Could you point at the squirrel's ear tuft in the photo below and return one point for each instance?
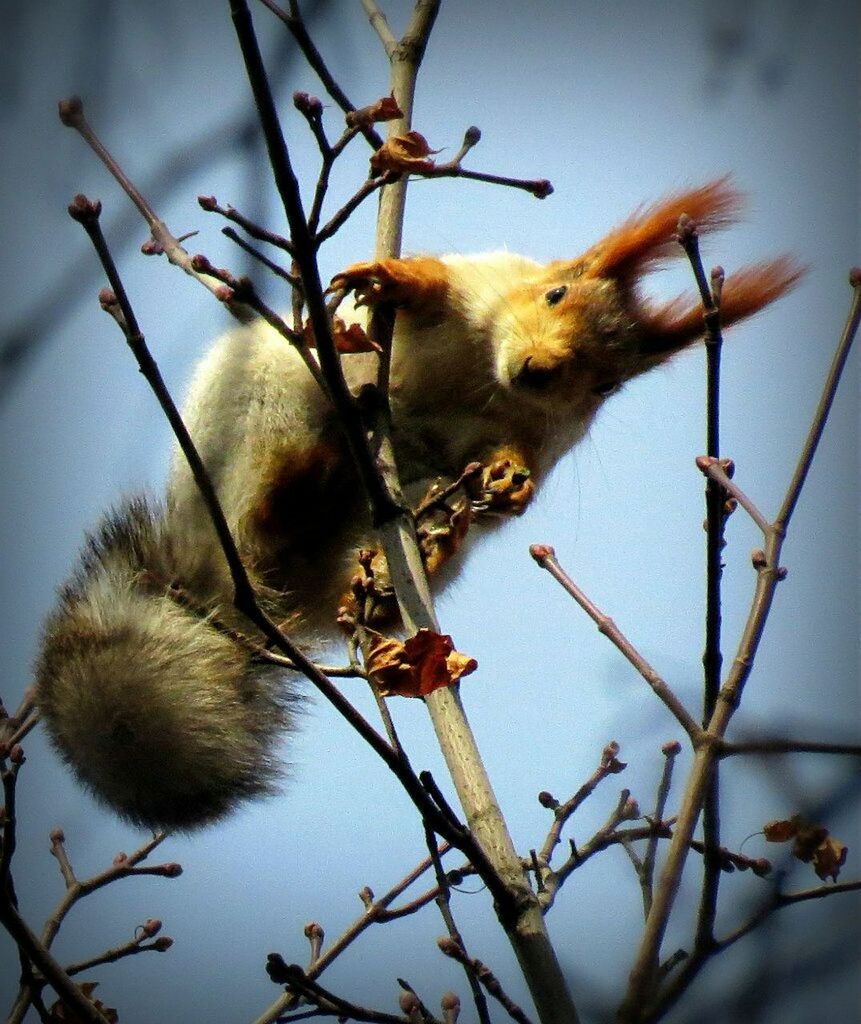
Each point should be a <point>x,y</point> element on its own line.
<point>670,328</point>
<point>648,236</point>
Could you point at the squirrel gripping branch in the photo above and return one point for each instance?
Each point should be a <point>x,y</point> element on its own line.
<point>151,685</point>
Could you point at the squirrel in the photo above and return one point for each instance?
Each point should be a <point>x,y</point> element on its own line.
<point>150,683</point>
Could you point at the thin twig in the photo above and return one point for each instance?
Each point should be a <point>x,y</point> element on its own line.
<point>327,1002</point>
<point>271,265</point>
<point>366,189</point>
<point>538,187</point>
<point>693,965</point>
<point>443,902</point>
<point>647,876</point>
<point>626,809</point>
<point>476,969</point>
<point>211,205</point>
<point>124,866</point>
<point>826,400</point>
<point>72,115</point>
<point>376,911</point>
<point>135,945</point>
<point>296,25</point>
<point>609,764</point>
<point>545,556</point>
<point>779,745</point>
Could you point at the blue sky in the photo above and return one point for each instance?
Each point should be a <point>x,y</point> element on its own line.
<point>616,105</point>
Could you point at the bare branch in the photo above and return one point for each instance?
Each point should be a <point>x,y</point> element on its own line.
<point>778,745</point>
<point>647,876</point>
<point>716,514</point>
<point>693,965</point>
<point>545,556</point>
<point>297,27</point>
<point>643,975</point>
<point>608,765</point>
<point>72,115</point>
<point>826,400</point>
<point>485,975</point>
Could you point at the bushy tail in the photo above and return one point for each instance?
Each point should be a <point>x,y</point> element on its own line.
<point>163,714</point>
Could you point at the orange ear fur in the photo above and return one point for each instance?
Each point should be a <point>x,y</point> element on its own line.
<point>673,326</point>
<point>649,235</point>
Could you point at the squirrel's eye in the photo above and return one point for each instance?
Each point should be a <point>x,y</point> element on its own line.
<point>607,388</point>
<point>555,295</point>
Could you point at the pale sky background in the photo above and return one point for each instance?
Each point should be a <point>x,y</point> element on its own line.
<point>616,104</point>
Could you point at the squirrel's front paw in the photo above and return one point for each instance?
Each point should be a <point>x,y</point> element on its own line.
<point>377,281</point>
<point>506,486</point>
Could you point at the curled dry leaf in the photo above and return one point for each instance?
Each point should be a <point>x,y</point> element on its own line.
<point>408,152</point>
<point>418,666</point>
<point>385,109</point>
<point>813,843</point>
<point>60,1013</point>
<point>829,857</point>
<point>348,339</point>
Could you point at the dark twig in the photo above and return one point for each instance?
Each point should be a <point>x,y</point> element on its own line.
<point>626,809</point>
<point>476,969</point>
<point>443,902</point>
<point>296,25</point>
<point>211,205</point>
<point>366,189</point>
<point>271,265</point>
<point>137,944</point>
<point>382,504</point>
<point>715,518</point>
<point>609,764</point>
<point>377,911</point>
<point>327,1002</point>
<point>37,949</point>
<point>778,745</point>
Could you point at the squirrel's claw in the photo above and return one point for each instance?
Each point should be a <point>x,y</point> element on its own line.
<point>506,487</point>
<point>369,282</point>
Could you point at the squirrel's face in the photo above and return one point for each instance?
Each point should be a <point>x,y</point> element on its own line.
<point>566,339</point>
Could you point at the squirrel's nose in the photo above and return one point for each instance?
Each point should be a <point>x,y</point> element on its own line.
<point>533,375</point>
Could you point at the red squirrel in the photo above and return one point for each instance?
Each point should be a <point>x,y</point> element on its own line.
<point>148,680</point>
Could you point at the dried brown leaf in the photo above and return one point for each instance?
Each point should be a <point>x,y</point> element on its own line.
<point>60,1013</point>
<point>348,338</point>
<point>385,109</point>
<point>829,858</point>
<point>813,843</point>
<point>418,666</point>
<point>779,831</point>
<point>408,152</point>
